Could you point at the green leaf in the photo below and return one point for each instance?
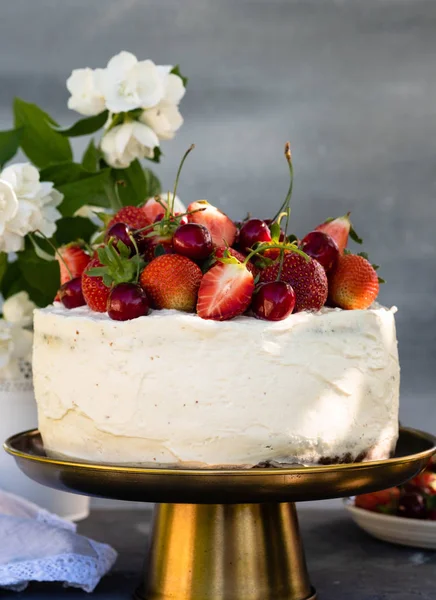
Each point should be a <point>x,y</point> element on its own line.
<point>152,184</point>
<point>376,267</point>
<point>431,502</point>
<point>275,231</point>
<point>87,190</point>
<point>157,153</point>
<point>39,141</point>
<point>40,252</point>
<point>363,255</point>
<point>69,229</point>
<point>9,144</point>
<point>354,236</point>
<point>91,157</point>
<point>131,184</point>
<point>381,280</point>
<point>86,126</point>
<point>159,250</point>
<point>3,265</point>
<point>65,172</point>
<point>176,71</point>
<point>41,278</point>
<point>292,238</point>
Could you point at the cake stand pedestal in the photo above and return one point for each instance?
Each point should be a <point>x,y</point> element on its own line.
<point>224,535</point>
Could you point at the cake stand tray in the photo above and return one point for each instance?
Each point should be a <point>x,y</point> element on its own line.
<point>224,534</point>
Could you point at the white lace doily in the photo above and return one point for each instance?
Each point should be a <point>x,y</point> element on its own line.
<point>39,546</point>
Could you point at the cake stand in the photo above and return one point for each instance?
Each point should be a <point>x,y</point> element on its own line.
<point>224,535</point>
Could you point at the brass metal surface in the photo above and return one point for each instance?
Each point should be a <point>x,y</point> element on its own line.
<point>197,486</point>
<point>224,534</point>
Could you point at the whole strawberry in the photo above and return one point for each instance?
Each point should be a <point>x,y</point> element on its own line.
<point>172,281</point>
<point>75,258</point>
<point>95,292</point>
<point>133,216</point>
<point>354,284</point>
<point>307,278</point>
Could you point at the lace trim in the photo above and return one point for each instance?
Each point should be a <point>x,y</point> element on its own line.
<point>43,516</point>
<point>72,569</point>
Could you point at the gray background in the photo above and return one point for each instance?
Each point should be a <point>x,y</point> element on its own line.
<point>351,83</point>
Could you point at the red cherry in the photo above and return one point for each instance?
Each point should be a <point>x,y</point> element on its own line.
<point>127,301</point>
<point>121,233</point>
<point>412,506</point>
<point>273,301</point>
<point>70,293</point>
<point>193,240</point>
<point>252,232</point>
<point>322,247</point>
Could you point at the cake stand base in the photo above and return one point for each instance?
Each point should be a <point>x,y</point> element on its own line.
<point>226,551</point>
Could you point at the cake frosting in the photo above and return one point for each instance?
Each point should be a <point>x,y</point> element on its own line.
<point>173,389</point>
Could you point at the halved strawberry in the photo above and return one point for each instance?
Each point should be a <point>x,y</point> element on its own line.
<point>307,277</point>
<point>354,283</point>
<point>221,251</point>
<point>384,501</point>
<point>172,281</point>
<point>221,227</point>
<point>339,229</point>
<point>225,291</point>
<point>75,258</point>
<point>133,216</point>
<point>153,209</point>
<point>95,292</point>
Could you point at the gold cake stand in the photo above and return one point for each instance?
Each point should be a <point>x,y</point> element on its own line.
<point>224,535</point>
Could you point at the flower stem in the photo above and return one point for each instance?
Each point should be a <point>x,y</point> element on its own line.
<point>176,183</point>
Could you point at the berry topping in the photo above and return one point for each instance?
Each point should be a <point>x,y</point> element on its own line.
<point>374,501</point>
<point>222,251</point>
<point>339,229</point>
<point>412,506</point>
<point>225,291</point>
<point>127,301</point>
<point>322,247</point>
<point>73,260</point>
<point>120,232</point>
<point>133,216</point>
<point>305,275</point>
<point>70,293</point>
<point>95,292</point>
<point>155,246</point>
<point>172,281</point>
<point>193,240</point>
<point>222,229</point>
<point>273,301</point>
<point>252,232</point>
<point>154,210</point>
<point>353,284</point>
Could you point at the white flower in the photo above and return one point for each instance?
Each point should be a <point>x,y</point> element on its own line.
<point>86,97</point>
<point>15,344</point>
<point>6,343</point>
<point>124,143</point>
<point>165,118</point>
<point>18,309</point>
<point>35,205</point>
<point>127,83</point>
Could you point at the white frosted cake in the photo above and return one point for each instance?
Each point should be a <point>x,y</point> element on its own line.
<point>173,389</point>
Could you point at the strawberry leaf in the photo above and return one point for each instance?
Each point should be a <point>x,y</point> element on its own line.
<point>159,250</point>
<point>353,235</point>
<point>381,280</point>
<point>431,502</point>
<point>275,231</point>
<point>292,238</point>
<point>363,255</point>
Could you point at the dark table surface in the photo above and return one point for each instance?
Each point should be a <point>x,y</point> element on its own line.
<point>344,563</point>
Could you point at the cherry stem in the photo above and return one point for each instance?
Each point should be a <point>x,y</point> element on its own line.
<point>176,183</point>
<point>135,245</point>
<point>56,251</point>
<point>280,246</point>
<point>168,220</point>
<point>285,207</point>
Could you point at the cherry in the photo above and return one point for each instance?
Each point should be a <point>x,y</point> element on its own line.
<point>121,233</point>
<point>70,293</point>
<point>322,247</point>
<point>273,301</point>
<point>252,232</point>
<point>127,301</point>
<point>193,241</point>
<point>412,506</point>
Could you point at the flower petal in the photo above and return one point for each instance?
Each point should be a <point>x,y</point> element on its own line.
<point>145,135</point>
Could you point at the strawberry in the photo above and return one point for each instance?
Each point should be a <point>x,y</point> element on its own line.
<point>95,292</point>
<point>339,229</point>
<point>222,229</point>
<point>353,284</point>
<point>220,252</point>
<point>150,245</point>
<point>75,258</point>
<point>307,277</point>
<point>172,281</point>
<point>225,291</point>
<point>153,209</point>
<point>384,501</point>
<point>133,216</point>
<point>425,482</point>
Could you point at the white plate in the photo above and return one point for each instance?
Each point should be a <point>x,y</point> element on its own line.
<point>397,530</point>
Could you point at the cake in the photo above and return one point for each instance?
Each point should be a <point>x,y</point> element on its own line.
<point>193,341</point>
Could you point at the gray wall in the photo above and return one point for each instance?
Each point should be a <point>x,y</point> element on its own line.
<point>351,83</point>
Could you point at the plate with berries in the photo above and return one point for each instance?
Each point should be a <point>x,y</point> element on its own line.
<point>404,515</point>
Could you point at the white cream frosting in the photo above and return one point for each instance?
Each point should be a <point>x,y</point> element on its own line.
<point>171,388</point>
